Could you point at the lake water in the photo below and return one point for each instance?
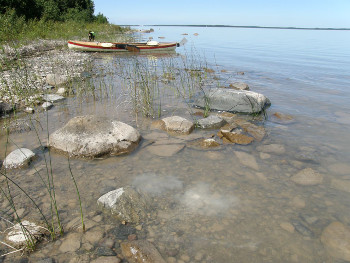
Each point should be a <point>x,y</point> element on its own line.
<point>212,206</point>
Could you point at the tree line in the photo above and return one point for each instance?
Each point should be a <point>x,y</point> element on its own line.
<point>54,10</point>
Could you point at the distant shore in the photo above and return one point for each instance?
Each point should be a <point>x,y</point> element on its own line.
<point>260,27</point>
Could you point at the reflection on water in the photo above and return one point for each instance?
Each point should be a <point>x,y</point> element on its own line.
<point>213,206</point>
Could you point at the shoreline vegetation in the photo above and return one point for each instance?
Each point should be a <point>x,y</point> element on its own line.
<point>258,27</point>
<point>33,20</point>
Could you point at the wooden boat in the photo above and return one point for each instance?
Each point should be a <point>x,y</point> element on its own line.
<point>150,46</point>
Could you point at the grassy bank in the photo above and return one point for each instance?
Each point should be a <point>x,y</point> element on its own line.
<point>16,31</point>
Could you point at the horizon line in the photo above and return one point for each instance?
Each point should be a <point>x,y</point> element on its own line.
<point>266,27</point>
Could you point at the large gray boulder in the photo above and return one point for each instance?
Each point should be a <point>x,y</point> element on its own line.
<point>92,136</point>
<point>126,203</point>
<point>18,158</point>
<point>232,100</point>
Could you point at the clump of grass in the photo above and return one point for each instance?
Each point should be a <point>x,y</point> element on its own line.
<point>51,218</point>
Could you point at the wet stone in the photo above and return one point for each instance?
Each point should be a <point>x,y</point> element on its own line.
<point>307,177</point>
<point>71,243</point>
<point>287,226</point>
<point>258,132</point>
<point>29,110</point>
<point>46,260</point>
<point>105,251</point>
<point>141,251</point>
<point>204,144</point>
<point>302,229</point>
<point>233,137</point>
<point>122,232</point>
<point>264,156</point>
<point>336,240</point>
<point>211,122</point>
<point>93,236</point>
<point>342,185</point>
<point>56,79</point>
<point>247,160</point>
<point>282,118</point>
<point>232,100</point>
<point>126,203</point>
<point>18,238</point>
<point>165,150</point>
<point>18,158</point>
<point>271,148</point>
<point>239,86</point>
<point>111,259</point>
<point>227,116</point>
<point>52,98</point>
<point>340,168</point>
<point>47,105</point>
<point>93,136</point>
<point>19,126</point>
<point>132,237</point>
<point>177,125</point>
<point>307,155</point>
<point>298,202</point>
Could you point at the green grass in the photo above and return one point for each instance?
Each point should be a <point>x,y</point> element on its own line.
<point>16,31</point>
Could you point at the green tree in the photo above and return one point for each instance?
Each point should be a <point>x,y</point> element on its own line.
<point>101,19</point>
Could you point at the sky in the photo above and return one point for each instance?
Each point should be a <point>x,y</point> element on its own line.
<point>297,13</point>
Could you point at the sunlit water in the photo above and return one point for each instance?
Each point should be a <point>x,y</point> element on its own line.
<point>209,206</point>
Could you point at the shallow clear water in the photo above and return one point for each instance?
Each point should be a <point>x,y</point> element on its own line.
<point>210,206</point>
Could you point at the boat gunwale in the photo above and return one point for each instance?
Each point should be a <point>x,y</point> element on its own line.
<point>138,45</point>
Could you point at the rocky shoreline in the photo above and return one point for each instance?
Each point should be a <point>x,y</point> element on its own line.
<point>24,80</point>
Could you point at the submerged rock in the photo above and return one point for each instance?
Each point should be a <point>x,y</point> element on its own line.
<point>52,97</point>
<point>232,100</point>
<point>127,203</point>
<point>71,243</point>
<point>227,116</point>
<point>92,136</point>
<point>165,150</point>
<point>204,144</point>
<point>247,159</point>
<point>18,158</point>
<point>271,148</point>
<point>18,126</point>
<point>239,86</point>
<point>19,234</point>
<point>307,177</point>
<point>211,122</point>
<point>106,259</point>
<point>342,185</point>
<point>233,137</point>
<point>177,125</point>
<point>282,118</point>
<point>336,240</point>
<point>258,132</point>
<point>141,251</point>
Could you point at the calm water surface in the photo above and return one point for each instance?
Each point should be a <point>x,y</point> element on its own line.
<point>209,205</point>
